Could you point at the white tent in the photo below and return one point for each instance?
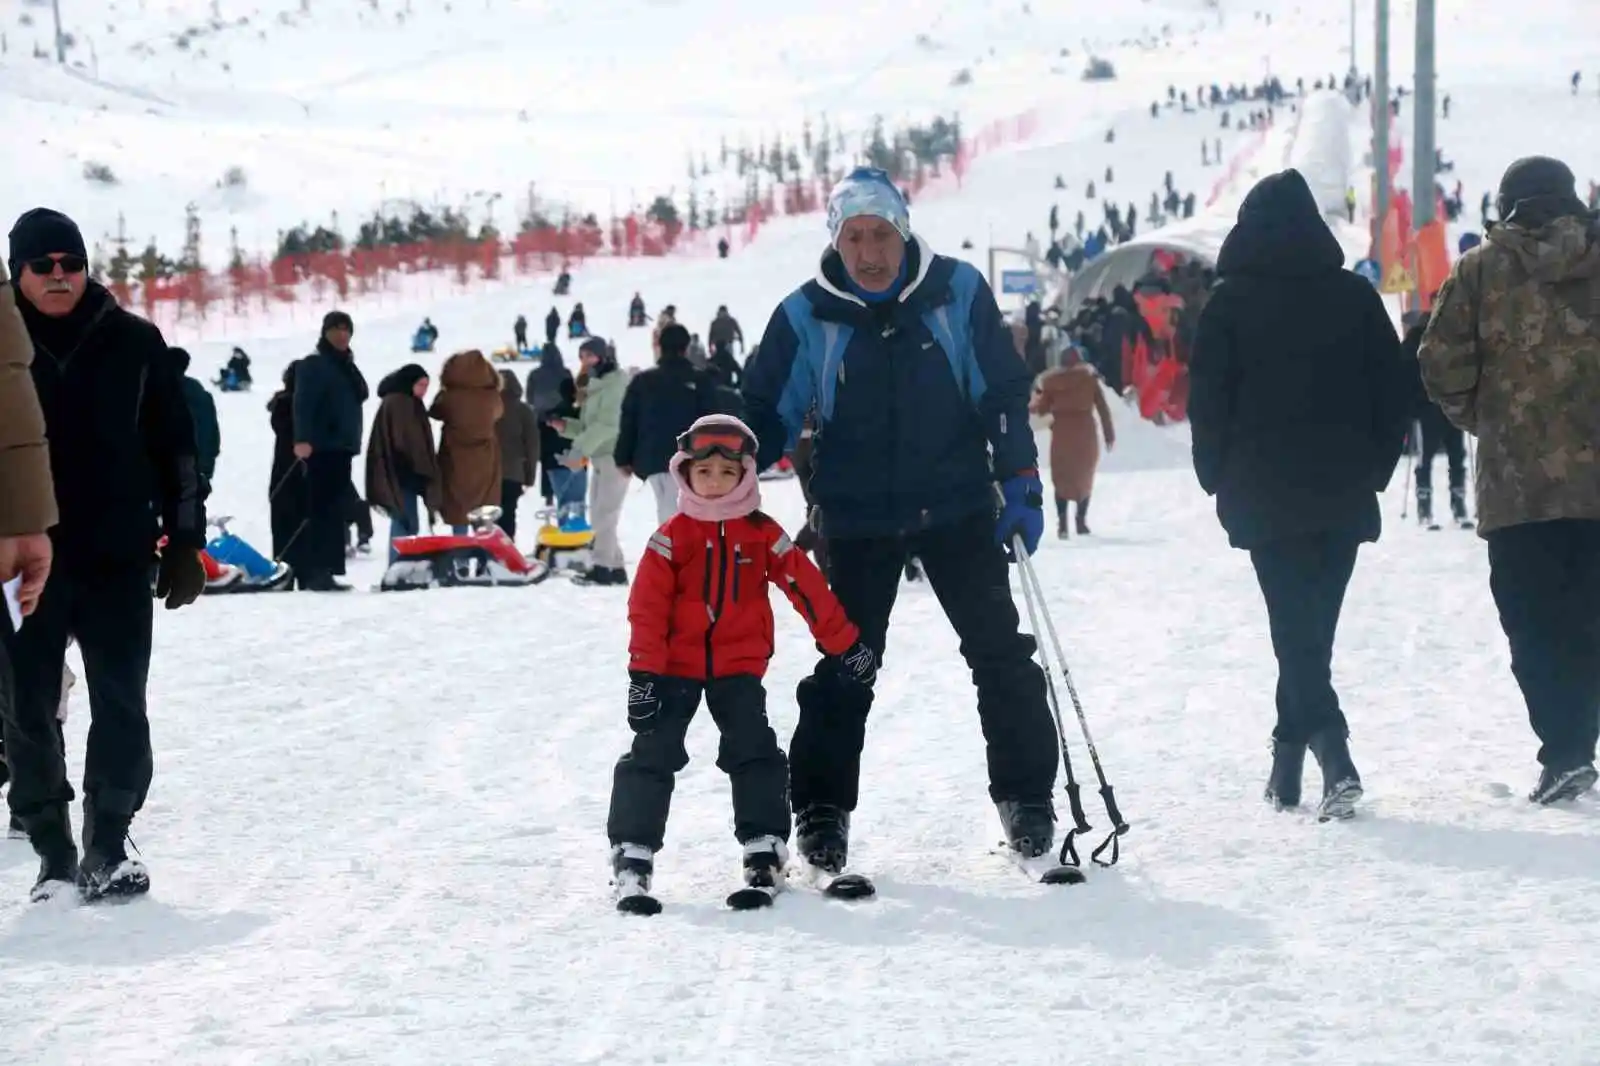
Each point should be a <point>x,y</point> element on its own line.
<point>1317,144</point>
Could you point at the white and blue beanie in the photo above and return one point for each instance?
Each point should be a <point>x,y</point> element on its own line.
<point>867,191</point>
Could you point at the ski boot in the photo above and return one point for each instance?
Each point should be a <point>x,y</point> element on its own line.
<point>1425,508</point>
<point>822,836</point>
<point>1288,767</point>
<point>1557,785</point>
<point>1030,827</point>
<point>632,867</point>
<point>1458,509</point>
<point>1341,784</point>
<point>764,861</point>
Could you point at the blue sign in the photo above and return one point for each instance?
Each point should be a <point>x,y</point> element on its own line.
<point>1018,282</point>
<point>1369,269</point>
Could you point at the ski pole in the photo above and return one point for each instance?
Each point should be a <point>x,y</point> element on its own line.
<point>1080,822</point>
<point>1119,825</point>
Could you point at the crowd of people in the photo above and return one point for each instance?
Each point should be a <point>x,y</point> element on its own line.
<point>1299,403</point>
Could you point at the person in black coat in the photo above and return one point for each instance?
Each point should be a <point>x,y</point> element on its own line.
<point>286,487</point>
<point>660,404</point>
<point>1297,414</point>
<point>329,392</point>
<point>552,325</point>
<point>122,456</point>
<point>1437,434</point>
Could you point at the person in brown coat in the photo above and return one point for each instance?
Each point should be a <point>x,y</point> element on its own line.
<point>468,407</point>
<point>402,467</point>
<point>1071,395</point>
<point>519,450</point>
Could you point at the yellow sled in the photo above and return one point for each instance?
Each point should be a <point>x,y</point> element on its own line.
<point>569,549</point>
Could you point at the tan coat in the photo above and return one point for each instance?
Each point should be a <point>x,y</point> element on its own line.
<point>27,496</point>
<point>1072,396</point>
<point>468,407</point>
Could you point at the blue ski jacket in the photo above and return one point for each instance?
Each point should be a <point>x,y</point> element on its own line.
<point>920,403</point>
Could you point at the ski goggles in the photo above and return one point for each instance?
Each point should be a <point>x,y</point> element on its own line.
<point>725,441</point>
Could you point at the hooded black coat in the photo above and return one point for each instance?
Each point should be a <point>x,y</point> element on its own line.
<point>1297,401</point>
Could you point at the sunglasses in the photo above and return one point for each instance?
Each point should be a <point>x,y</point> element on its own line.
<point>46,265</point>
<point>728,443</point>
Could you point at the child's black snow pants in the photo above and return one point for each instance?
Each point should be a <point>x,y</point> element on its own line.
<point>641,788</point>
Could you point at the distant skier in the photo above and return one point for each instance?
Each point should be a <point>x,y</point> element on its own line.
<point>636,316</point>
<point>1437,434</point>
<point>679,652</point>
<point>552,326</point>
<point>426,337</point>
<point>519,329</point>
<point>235,376</point>
<point>724,332</point>
<point>577,322</point>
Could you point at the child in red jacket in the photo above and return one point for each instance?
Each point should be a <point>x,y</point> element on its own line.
<point>701,623</point>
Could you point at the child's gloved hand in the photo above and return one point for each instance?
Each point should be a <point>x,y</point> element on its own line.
<point>644,701</point>
<point>859,664</point>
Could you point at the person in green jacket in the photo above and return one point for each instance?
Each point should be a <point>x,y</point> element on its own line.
<point>594,437</point>
<point>203,411</point>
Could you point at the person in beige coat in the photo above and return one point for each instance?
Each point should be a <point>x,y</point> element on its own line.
<point>468,409</point>
<point>1071,395</point>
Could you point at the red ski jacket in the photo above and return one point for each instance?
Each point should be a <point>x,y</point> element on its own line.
<point>698,607</point>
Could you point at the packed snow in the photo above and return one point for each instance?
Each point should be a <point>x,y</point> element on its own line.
<point>376,832</point>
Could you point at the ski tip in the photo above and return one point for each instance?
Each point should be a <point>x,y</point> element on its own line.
<point>850,887</point>
<point>1063,875</point>
<point>640,905</point>
<point>750,899</point>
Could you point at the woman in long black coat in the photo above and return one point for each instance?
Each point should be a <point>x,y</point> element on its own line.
<point>286,488</point>
<point>1297,411</point>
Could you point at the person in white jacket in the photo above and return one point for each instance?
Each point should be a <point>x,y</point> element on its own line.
<point>594,439</point>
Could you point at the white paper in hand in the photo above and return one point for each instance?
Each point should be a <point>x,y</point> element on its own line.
<point>12,606</point>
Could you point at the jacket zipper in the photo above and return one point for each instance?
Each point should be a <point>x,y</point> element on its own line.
<point>736,561</point>
<point>718,554</point>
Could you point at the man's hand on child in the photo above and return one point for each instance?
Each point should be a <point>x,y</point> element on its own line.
<point>859,664</point>
<point>644,701</point>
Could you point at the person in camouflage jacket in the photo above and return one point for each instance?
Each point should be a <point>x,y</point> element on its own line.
<point>1512,354</point>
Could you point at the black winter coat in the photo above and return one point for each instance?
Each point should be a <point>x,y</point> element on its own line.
<point>1297,402</point>
<point>120,435</point>
<point>1418,404</point>
<point>328,393</point>
<point>660,404</point>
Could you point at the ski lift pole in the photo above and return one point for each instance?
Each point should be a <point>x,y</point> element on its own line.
<point>1108,794</point>
<point>1033,594</point>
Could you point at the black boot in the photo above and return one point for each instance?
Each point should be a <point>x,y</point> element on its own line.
<point>1425,506</point>
<point>1288,769</point>
<point>1061,518</point>
<point>106,871</point>
<point>1458,507</point>
<point>1083,517</point>
<point>1557,785</point>
<point>50,832</point>
<point>822,836</point>
<point>1341,784</point>
<point>1030,827</point>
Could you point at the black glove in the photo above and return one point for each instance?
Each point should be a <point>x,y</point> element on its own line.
<point>859,664</point>
<point>645,698</point>
<point>180,577</point>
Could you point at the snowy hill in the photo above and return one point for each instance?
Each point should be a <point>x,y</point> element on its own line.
<point>376,831</point>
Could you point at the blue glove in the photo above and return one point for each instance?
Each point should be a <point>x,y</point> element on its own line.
<point>1021,512</point>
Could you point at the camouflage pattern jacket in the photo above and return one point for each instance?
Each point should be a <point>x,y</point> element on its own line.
<point>1512,354</point>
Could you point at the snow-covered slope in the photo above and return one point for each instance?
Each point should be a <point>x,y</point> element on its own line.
<point>376,831</point>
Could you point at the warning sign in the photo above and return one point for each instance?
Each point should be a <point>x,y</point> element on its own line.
<point>1398,281</point>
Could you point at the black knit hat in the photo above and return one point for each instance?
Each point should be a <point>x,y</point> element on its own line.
<point>43,232</point>
<point>180,359</point>
<point>1538,178</point>
<point>674,340</point>
<point>337,320</point>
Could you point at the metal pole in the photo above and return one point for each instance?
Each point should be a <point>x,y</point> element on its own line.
<point>1380,121</point>
<point>1352,39</point>
<point>1424,201</point>
<point>61,47</point>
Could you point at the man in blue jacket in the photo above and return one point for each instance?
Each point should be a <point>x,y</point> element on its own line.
<point>922,432</point>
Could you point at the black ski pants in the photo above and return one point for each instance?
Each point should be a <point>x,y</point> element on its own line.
<point>1545,577</point>
<point>1439,435</point>
<point>328,494</point>
<point>1303,580</point>
<point>970,576</point>
<point>110,614</point>
<point>510,496</point>
<point>641,786</point>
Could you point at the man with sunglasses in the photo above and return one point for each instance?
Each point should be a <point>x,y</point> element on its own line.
<point>122,450</point>
<point>921,435</point>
